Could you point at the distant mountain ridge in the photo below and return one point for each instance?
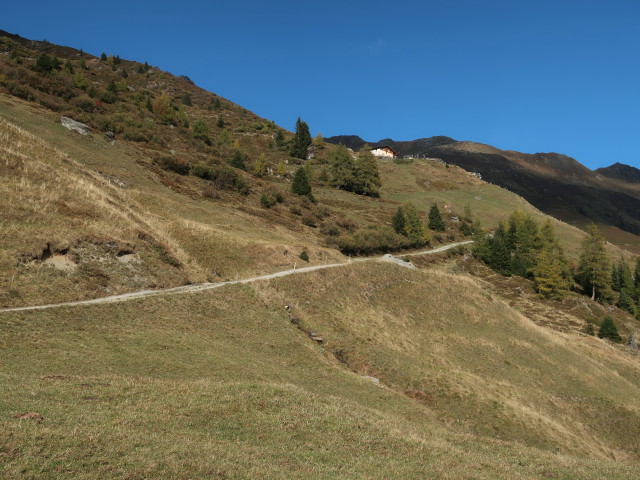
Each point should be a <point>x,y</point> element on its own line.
<point>555,183</point>
<point>416,148</point>
<point>620,171</point>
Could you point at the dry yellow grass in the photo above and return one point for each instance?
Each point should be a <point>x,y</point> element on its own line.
<point>222,385</point>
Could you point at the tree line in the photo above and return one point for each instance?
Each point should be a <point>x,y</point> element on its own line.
<point>522,246</point>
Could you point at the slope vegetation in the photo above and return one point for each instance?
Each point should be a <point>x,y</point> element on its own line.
<point>556,184</point>
<point>228,384</point>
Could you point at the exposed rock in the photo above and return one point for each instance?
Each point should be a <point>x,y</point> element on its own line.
<point>75,126</point>
<point>109,136</point>
<point>128,258</point>
<point>398,261</point>
<point>372,379</point>
<point>61,262</point>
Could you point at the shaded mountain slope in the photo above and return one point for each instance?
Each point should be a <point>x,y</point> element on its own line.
<point>620,171</point>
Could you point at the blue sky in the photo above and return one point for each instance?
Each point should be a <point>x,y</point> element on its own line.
<point>533,76</point>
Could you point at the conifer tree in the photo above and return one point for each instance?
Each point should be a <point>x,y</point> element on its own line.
<point>342,167</point>
<point>398,221</point>
<point>279,138</point>
<point>238,159</point>
<point>550,268</point>
<point>548,275</point>
<point>609,330</point>
<point>414,229</point>
<point>499,257</point>
<point>616,279</point>
<point>594,271</point>
<point>366,177</point>
<point>626,278</point>
<point>301,140</point>
<point>435,219</point>
<point>625,302</point>
<point>465,229</point>
<point>300,184</point>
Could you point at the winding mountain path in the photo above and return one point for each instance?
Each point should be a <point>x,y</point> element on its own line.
<point>198,287</point>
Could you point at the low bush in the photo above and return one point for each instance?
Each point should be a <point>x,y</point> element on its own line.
<point>372,240</point>
<point>84,103</point>
<point>330,229</point>
<point>173,164</point>
<point>267,201</point>
<point>309,221</point>
<point>221,177</point>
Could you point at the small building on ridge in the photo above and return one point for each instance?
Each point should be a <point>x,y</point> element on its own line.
<point>384,151</point>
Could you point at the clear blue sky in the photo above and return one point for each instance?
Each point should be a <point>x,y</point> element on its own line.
<point>534,76</point>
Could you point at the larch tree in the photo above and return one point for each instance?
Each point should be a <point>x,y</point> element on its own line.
<point>594,268</point>
<point>366,174</point>
<point>342,167</point>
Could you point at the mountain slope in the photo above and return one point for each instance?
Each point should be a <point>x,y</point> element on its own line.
<point>213,388</point>
<point>555,183</point>
<point>367,370</point>
<point>620,171</point>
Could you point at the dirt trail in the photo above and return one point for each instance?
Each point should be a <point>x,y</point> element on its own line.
<point>198,287</point>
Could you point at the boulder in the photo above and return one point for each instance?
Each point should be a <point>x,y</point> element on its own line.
<point>71,124</point>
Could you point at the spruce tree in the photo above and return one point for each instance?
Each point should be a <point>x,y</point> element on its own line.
<point>237,159</point>
<point>625,302</point>
<point>594,270</point>
<point>279,138</point>
<point>616,279</point>
<point>435,219</point>
<point>626,278</point>
<point>300,184</point>
<point>465,229</point>
<point>498,255</point>
<point>301,140</point>
<point>609,330</point>
<point>398,221</point>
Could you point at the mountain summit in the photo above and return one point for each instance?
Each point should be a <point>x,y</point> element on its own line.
<point>620,171</point>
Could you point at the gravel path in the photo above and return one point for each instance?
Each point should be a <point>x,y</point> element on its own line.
<point>198,287</point>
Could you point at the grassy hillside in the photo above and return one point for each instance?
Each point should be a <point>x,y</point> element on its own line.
<point>446,371</point>
<point>223,385</point>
